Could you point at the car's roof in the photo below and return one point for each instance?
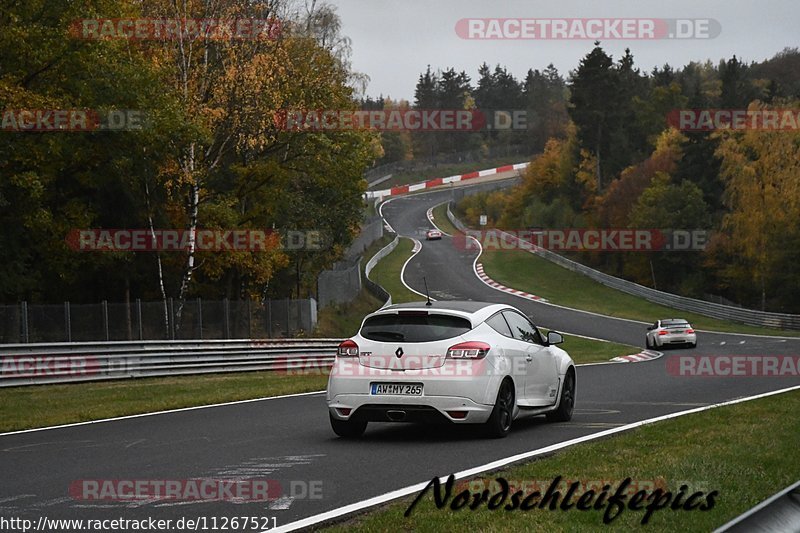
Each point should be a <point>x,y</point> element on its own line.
<point>476,312</point>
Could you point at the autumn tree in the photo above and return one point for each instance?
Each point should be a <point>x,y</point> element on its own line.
<point>761,173</point>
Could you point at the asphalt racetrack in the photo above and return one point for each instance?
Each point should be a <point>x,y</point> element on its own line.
<point>289,439</point>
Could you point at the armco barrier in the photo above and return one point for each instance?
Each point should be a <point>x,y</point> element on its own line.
<point>33,364</point>
<point>781,512</point>
<point>373,287</point>
<point>436,182</point>
<point>750,317</point>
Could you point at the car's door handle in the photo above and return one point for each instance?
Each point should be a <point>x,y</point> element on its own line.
<point>529,358</point>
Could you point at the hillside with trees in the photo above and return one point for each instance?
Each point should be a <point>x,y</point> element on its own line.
<point>613,161</point>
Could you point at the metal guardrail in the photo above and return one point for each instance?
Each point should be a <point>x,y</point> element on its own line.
<point>49,363</point>
<point>750,317</point>
<point>35,364</point>
<point>373,287</point>
<point>780,512</point>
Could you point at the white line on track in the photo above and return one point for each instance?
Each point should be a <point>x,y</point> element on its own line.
<point>417,248</point>
<point>545,302</point>
<point>500,463</point>
<point>152,413</point>
<point>433,223</point>
<point>380,213</point>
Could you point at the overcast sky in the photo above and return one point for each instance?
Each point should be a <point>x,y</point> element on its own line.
<point>393,41</point>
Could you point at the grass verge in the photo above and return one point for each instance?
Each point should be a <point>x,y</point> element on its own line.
<point>343,320</point>
<point>47,405</point>
<point>440,218</point>
<point>715,450</point>
<point>340,321</point>
<point>387,272</point>
<point>590,351</point>
<point>524,271</point>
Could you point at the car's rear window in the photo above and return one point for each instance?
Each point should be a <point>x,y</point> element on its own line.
<point>414,327</point>
<point>674,323</point>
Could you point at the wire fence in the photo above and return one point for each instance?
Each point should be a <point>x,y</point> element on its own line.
<point>138,320</point>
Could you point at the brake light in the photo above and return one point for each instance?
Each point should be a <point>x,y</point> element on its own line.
<point>662,332</point>
<point>468,350</point>
<point>348,349</point>
<point>689,331</point>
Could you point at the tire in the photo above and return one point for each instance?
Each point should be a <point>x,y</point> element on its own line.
<point>567,402</point>
<point>647,343</point>
<point>348,429</point>
<point>693,345</point>
<point>499,423</point>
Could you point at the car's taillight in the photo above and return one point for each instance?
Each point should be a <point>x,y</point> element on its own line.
<point>662,332</point>
<point>689,331</point>
<point>468,350</point>
<point>348,349</point>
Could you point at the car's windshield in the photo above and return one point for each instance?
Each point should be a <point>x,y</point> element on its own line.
<point>414,328</point>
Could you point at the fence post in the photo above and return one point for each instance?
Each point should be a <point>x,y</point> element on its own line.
<point>24,317</point>
<point>269,317</point>
<point>226,311</point>
<point>171,319</point>
<point>67,322</point>
<point>249,318</point>
<point>200,316</point>
<point>288,318</point>
<point>104,307</point>
<point>139,317</point>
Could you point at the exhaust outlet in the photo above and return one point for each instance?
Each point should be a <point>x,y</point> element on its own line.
<point>396,416</point>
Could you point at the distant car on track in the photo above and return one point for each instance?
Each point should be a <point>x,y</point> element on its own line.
<point>461,362</point>
<point>670,331</point>
<point>433,234</point>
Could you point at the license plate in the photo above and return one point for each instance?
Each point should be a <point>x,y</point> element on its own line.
<point>396,389</point>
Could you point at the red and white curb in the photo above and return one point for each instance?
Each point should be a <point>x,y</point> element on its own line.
<point>413,187</point>
<point>500,287</point>
<point>647,355</point>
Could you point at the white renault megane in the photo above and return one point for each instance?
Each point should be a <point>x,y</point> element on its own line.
<point>462,362</point>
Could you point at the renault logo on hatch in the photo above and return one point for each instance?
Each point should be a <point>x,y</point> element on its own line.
<point>399,352</point>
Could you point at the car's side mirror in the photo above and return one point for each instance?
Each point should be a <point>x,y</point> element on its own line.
<point>554,337</point>
<point>650,328</point>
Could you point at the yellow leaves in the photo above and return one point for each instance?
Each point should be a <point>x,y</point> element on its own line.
<point>544,172</point>
<point>586,173</point>
<point>761,170</point>
<point>669,141</point>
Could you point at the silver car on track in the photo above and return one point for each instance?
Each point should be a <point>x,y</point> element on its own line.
<point>670,331</point>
